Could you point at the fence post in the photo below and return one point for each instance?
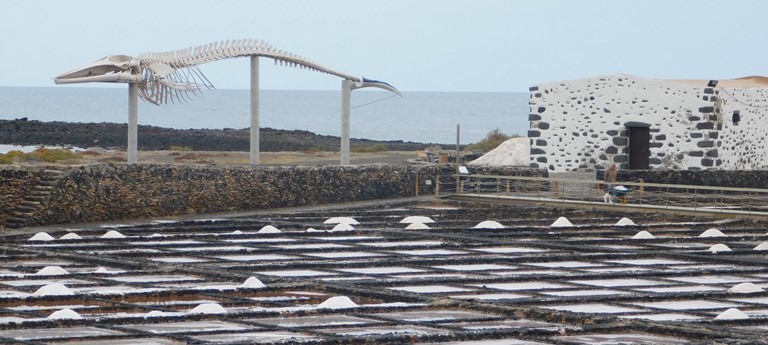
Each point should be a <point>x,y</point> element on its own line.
<point>417,184</point>
<point>437,186</point>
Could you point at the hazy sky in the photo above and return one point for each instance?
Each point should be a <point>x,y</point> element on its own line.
<point>417,45</point>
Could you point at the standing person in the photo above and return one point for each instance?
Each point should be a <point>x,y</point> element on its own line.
<point>610,179</point>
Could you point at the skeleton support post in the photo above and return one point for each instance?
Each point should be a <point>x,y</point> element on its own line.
<point>346,95</point>
<point>255,110</point>
<point>133,123</point>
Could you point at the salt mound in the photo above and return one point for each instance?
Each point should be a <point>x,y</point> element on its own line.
<point>71,236</point>
<point>338,302</point>
<point>489,224</point>
<point>208,308</point>
<point>113,234</point>
<point>253,283</point>
<point>269,229</point>
<point>65,313</point>
<point>562,221</point>
<point>237,232</point>
<point>719,248</point>
<point>52,271</point>
<point>643,235</point>
<point>103,270</point>
<point>762,246</point>
<point>339,220</point>
<point>625,221</point>
<point>54,289</point>
<point>41,236</point>
<point>154,313</point>
<point>513,152</point>
<point>712,233</point>
<point>416,219</point>
<point>157,235</point>
<point>417,226</point>
<point>343,227</point>
<point>732,314</point>
<point>745,288</point>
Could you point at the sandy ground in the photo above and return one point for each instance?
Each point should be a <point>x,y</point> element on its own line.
<point>312,158</point>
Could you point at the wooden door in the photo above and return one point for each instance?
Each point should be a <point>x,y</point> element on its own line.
<point>639,147</point>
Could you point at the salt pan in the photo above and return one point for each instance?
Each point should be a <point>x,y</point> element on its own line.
<point>41,236</point>
<point>745,288</point>
<point>560,222</point>
<point>489,224</point>
<point>52,271</point>
<point>338,302</point>
<point>113,234</point>
<point>269,229</point>
<point>64,314</point>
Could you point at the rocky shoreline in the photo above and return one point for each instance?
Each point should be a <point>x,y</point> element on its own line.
<point>151,138</point>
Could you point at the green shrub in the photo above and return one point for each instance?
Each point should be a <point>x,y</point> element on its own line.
<point>180,148</point>
<point>53,155</point>
<point>369,149</point>
<point>492,140</point>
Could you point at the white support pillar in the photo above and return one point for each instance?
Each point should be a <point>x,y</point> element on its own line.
<point>255,110</point>
<point>346,93</point>
<point>133,123</point>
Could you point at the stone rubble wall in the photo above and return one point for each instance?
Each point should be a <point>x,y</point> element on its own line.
<point>757,179</point>
<point>15,183</point>
<point>120,192</point>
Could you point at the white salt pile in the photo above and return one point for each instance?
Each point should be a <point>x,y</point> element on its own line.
<point>113,234</point>
<point>745,288</point>
<point>343,227</point>
<point>208,308</point>
<point>732,314</point>
<point>416,219</point>
<point>253,283</point>
<point>71,236</point>
<point>712,233</point>
<point>154,313</point>
<point>269,229</point>
<point>65,313</point>
<point>41,236</point>
<point>237,232</point>
<point>339,220</point>
<point>489,224</point>
<point>643,235</point>
<point>560,222</point>
<point>417,226</point>
<point>102,270</point>
<point>513,152</point>
<point>157,235</point>
<point>625,221</point>
<point>762,246</point>
<point>51,271</point>
<point>719,248</point>
<point>53,289</point>
<point>338,302</point>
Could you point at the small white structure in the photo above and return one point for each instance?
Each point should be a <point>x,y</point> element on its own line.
<point>642,123</point>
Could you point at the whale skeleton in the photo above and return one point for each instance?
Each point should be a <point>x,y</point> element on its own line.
<point>166,77</point>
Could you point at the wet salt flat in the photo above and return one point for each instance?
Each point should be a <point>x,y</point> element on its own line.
<point>232,281</point>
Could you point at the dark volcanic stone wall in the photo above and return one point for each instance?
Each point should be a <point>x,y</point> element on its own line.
<point>720,178</point>
<point>118,192</point>
<point>15,183</point>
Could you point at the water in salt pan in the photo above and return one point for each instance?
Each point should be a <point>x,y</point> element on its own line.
<point>560,222</point>
<point>41,236</point>
<point>643,235</point>
<point>343,227</point>
<point>712,233</point>
<point>719,248</point>
<point>762,246</point>
<point>338,302</point>
<point>269,229</point>
<point>70,236</point>
<point>745,288</point>
<point>54,289</point>
<point>64,314</point>
<point>52,271</point>
<point>208,308</point>
<point>417,226</point>
<point>625,221</point>
<point>113,234</point>
<point>340,220</point>
<point>253,283</point>
<point>732,314</point>
<point>416,219</point>
<point>489,224</point>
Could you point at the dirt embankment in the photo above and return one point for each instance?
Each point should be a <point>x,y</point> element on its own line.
<point>114,136</point>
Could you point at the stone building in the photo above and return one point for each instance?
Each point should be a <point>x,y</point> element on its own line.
<point>652,124</point>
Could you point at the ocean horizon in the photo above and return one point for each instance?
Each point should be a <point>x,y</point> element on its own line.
<point>425,117</point>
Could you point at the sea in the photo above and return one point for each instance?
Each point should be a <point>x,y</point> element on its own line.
<point>424,117</point>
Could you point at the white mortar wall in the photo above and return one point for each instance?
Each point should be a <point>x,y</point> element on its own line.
<point>582,124</point>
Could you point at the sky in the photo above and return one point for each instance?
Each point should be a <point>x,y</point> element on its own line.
<point>416,45</point>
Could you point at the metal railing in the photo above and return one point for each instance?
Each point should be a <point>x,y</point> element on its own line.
<point>592,191</point>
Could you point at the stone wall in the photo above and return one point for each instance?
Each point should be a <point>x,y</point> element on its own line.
<point>719,178</point>
<point>118,192</point>
<point>583,124</point>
